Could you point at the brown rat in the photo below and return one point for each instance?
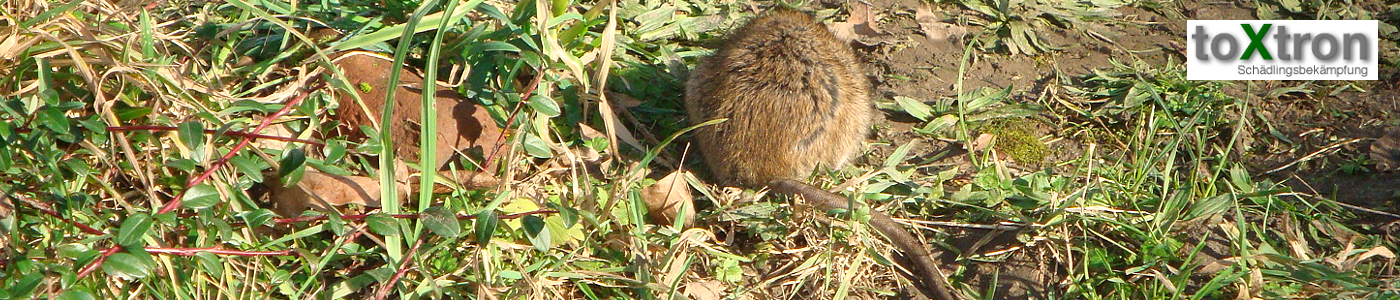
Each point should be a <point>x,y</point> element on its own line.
<point>795,98</point>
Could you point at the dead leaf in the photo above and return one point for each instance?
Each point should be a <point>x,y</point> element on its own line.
<point>623,100</point>
<point>863,19</point>
<point>669,199</point>
<point>1378,251</point>
<point>323,192</point>
<point>593,161</point>
<point>469,180</point>
<point>705,290</point>
<point>1386,151</point>
<point>584,155</point>
<point>1256,282</point>
<point>1381,251</point>
<point>1293,234</point>
<point>274,130</point>
<point>676,269</point>
<point>589,133</point>
<point>612,124</point>
<point>5,209</point>
<point>15,44</point>
<point>981,142</point>
<point>935,30</point>
<point>861,26</point>
<point>618,241</point>
<point>462,126</point>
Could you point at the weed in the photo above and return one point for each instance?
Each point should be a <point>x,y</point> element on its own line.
<point>139,144</point>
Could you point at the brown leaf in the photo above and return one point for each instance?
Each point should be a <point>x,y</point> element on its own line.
<point>864,20</point>
<point>470,180</point>
<point>1346,261</point>
<point>981,142</point>
<point>274,130</point>
<point>676,270</point>
<point>589,133</point>
<point>1386,151</point>
<point>861,26</point>
<point>705,290</point>
<point>935,30</point>
<point>591,159</point>
<point>323,192</point>
<point>623,100</point>
<point>13,44</point>
<point>462,126</point>
<point>5,209</point>
<point>669,199</point>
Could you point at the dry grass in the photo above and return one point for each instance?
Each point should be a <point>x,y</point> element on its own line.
<point>591,96</point>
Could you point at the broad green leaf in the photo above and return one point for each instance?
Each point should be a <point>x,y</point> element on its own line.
<point>568,215</point>
<point>73,250</point>
<point>133,229</point>
<point>335,224</point>
<point>211,264</point>
<point>77,293</point>
<point>537,232</point>
<point>128,114</point>
<point>486,223</point>
<point>534,146</point>
<point>899,154</point>
<point>560,233</point>
<point>441,222</point>
<point>248,166</point>
<point>54,119</point>
<point>182,164</point>
<point>544,105</point>
<point>334,151</point>
<point>26,284</point>
<point>293,165</point>
<point>491,46</point>
<point>127,265</point>
<point>258,217</point>
<point>191,134</point>
<point>201,196</point>
<point>730,271</point>
<point>914,107</point>
<point>939,124</point>
<point>382,224</point>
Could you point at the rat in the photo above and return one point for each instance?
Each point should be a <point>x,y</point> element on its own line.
<point>796,99</point>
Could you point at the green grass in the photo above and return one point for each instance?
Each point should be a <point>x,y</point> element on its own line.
<point>123,172</point>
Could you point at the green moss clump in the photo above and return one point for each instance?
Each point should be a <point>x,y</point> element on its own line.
<point>1016,138</point>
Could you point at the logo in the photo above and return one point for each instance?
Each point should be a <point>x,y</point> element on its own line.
<point>1282,50</point>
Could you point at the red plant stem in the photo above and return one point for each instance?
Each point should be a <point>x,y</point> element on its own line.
<point>92,266</point>
<point>212,131</point>
<point>215,250</point>
<point>43,207</point>
<point>501,139</point>
<point>358,217</point>
<point>178,199</point>
<point>403,267</point>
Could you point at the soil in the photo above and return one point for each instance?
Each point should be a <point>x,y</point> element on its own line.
<point>908,63</point>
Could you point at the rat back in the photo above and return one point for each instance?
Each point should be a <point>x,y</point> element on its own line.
<point>795,97</point>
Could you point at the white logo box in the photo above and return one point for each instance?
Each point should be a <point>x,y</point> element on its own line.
<point>1353,45</point>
